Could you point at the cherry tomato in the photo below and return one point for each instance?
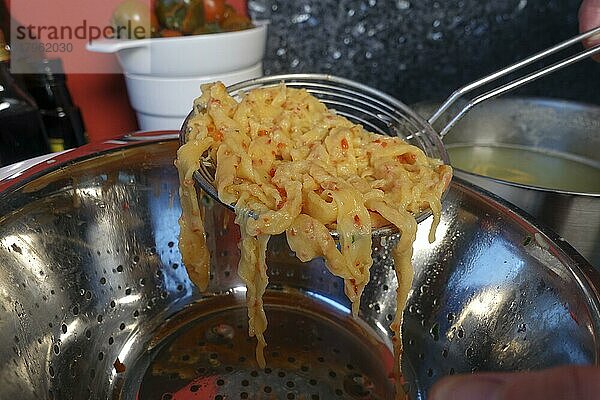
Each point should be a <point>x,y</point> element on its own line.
<point>214,10</point>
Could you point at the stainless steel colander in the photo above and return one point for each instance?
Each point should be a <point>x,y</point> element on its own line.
<point>94,301</point>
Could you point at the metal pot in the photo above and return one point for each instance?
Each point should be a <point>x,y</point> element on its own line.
<point>95,303</point>
<point>540,124</point>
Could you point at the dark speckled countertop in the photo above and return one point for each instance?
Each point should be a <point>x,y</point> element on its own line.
<point>421,50</point>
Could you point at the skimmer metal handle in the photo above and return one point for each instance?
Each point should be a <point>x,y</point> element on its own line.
<point>516,82</point>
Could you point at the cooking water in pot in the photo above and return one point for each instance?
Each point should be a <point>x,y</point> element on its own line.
<point>527,166</point>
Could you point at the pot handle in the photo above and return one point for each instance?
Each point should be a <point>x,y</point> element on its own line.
<point>114,45</point>
<point>513,84</point>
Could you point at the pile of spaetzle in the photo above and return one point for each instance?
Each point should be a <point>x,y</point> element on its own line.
<point>304,171</point>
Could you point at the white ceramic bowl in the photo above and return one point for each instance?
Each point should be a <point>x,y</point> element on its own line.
<point>174,96</point>
<point>189,56</point>
<point>158,122</point>
<point>163,103</point>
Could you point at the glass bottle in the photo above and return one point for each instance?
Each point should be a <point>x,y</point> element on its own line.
<point>22,133</point>
<point>63,121</point>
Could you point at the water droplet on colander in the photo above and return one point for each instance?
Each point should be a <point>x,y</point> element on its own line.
<point>451,317</point>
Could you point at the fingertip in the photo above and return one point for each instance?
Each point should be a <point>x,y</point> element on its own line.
<point>589,18</point>
<point>442,387</point>
<point>468,387</point>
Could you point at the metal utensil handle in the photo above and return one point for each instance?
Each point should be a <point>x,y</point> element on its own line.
<point>516,82</point>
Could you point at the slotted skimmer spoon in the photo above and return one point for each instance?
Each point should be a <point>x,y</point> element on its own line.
<point>381,113</point>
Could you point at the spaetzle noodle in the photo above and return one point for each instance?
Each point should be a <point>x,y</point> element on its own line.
<point>303,170</point>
